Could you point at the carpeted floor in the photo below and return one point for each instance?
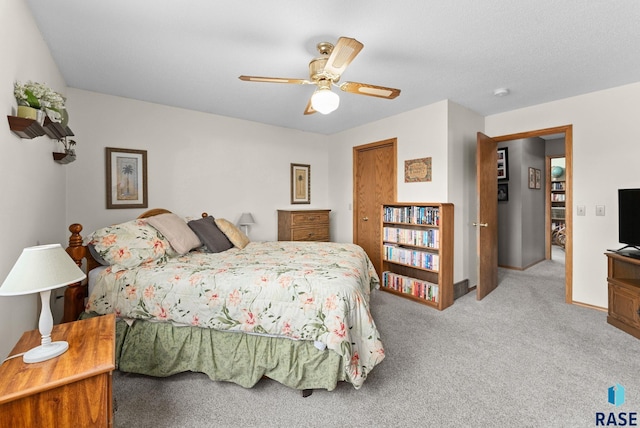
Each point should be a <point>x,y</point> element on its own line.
<point>519,358</point>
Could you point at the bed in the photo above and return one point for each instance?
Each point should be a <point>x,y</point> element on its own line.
<point>295,312</point>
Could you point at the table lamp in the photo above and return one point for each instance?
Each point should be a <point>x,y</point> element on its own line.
<point>246,219</point>
<point>41,269</point>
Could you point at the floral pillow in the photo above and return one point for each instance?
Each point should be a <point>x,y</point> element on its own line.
<point>131,244</point>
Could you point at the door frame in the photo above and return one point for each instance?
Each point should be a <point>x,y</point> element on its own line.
<point>568,151</point>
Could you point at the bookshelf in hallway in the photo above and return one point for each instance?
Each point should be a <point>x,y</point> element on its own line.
<point>417,252</point>
<point>558,219</point>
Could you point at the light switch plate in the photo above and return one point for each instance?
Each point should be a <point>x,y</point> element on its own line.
<point>600,210</point>
<point>581,210</point>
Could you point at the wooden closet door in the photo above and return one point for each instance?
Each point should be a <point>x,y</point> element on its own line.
<point>374,184</point>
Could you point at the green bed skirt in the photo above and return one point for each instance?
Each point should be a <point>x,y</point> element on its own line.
<point>161,349</point>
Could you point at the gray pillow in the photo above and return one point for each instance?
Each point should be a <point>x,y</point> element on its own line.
<point>211,236</point>
<point>96,255</point>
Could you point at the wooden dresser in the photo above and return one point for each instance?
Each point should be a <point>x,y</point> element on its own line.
<point>71,390</point>
<point>623,277</point>
<point>303,225</point>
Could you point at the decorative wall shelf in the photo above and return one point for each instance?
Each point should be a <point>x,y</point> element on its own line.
<point>63,158</point>
<point>25,128</point>
<point>29,128</point>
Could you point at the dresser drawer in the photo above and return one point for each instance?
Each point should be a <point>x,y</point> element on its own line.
<point>310,234</point>
<point>309,219</point>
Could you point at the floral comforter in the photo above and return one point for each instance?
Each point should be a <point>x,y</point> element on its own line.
<point>300,290</point>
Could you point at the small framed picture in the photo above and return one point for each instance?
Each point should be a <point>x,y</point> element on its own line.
<point>126,178</point>
<point>503,163</point>
<point>503,192</point>
<point>300,183</point>
<point>532,178</point>
<point>538,179</point>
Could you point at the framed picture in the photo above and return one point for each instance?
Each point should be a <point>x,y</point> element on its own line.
<point>503,163</point>
<point>300,183</point>
<point>417,170</point>
<point>126,178</point>
<point>538,179</point>
<point>532,178</point>
<point>503,192</point>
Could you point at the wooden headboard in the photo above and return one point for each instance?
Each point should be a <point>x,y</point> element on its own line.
<point>75,294</point>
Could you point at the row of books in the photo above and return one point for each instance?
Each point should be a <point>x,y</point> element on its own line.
<point>558,197</point>
<point>557,212</point>
<point>557,185</point>
<point>412,215</point>
<point>404,284</point>
<point>423,238</point>
<point>410,257</point>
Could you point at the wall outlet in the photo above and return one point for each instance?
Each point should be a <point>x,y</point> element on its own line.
<point>600,210</point>
<point>581,210</point>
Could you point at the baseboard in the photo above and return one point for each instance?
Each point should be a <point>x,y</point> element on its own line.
<point>521,268</point>
<point>460,288</point>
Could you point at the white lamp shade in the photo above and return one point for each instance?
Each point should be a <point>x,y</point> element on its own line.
<point>41,268</point>
<point>245,219</point>
<point>324,101</point>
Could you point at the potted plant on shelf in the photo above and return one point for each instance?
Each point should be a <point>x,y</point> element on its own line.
<point>69,154</point>
<point>33,97</point>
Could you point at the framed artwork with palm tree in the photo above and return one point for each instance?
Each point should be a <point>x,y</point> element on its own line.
<point>126,178</point>
<point>300,183</point>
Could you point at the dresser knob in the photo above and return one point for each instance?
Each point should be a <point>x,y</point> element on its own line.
<point>365,219</point>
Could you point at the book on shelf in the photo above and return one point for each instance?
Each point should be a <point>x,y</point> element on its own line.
<point>412,215</point>
<point>423,238</point>
<point>423,289</point>
<point>411,257</point>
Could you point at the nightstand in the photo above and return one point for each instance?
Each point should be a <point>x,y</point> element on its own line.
<point>71,390</point>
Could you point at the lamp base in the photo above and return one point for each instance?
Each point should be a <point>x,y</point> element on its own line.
<point>45,352</point>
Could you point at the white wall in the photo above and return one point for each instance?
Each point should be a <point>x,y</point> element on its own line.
<point>605,158</point>
<point>464,125</point>
<point>444,131</point>
<point>420,133</point>
<point>33,190</point>
<point>197,162</point>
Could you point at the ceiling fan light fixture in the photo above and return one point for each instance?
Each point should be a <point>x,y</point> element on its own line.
<point>324,100</point>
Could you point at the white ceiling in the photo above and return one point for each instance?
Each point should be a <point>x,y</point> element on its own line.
<point>190,53</point>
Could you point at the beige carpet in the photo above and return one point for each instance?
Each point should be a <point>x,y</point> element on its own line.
<point>519,358</point>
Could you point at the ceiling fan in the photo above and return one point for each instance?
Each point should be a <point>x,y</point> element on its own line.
<point>325,71</point>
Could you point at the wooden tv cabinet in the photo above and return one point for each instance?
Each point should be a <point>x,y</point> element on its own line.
<point>623,277</point>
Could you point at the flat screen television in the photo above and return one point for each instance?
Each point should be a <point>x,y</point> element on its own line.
<point>629,221</point>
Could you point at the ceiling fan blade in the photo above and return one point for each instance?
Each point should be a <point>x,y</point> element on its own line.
<point>342,54</point>
<point>309,109</point>
<point>371,90</point>
<point>274,80</point>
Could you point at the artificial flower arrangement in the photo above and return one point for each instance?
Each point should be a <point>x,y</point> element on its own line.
<point>41,97</point>
<point>68,145</point>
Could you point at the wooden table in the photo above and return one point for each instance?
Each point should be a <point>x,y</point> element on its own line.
<point>71,390</point>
